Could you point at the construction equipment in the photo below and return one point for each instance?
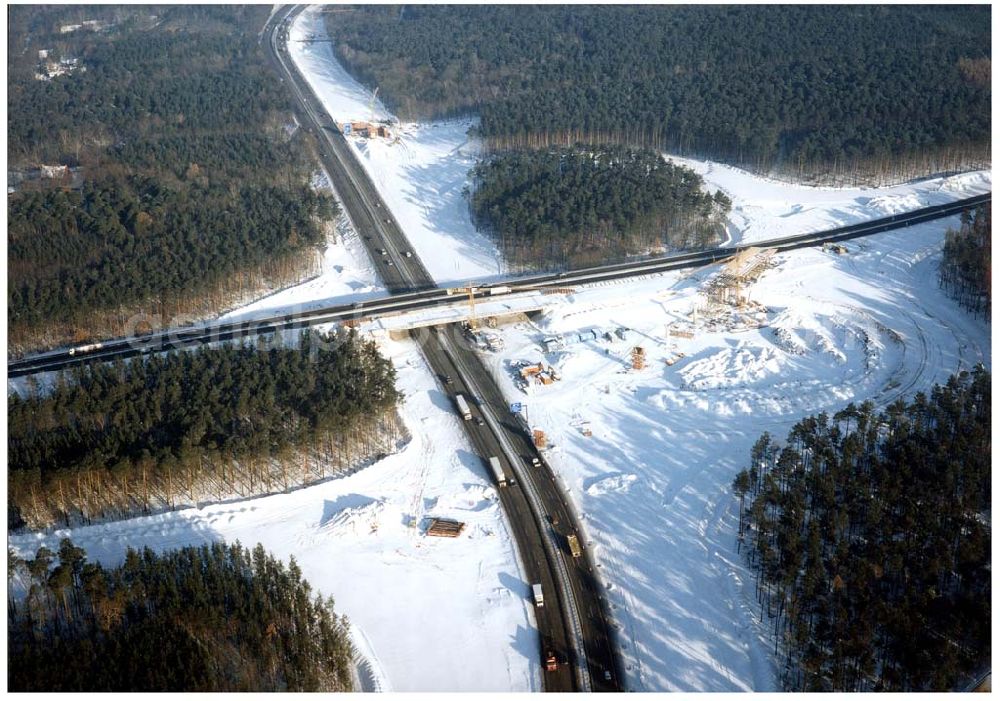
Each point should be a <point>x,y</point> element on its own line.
<point>470,290</point>
<point>531,370</point>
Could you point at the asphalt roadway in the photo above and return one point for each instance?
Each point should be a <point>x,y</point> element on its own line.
<point>386,243</point>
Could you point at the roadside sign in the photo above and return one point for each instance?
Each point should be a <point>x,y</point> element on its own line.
<point>515,407</point>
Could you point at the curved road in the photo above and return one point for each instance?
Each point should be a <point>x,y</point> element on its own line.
<point>574,622</point>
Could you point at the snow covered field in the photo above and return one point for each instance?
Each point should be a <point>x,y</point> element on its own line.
<point>420,172</point>
<point>653,480</point>
<point>427,614</point>
<point>767,209</point>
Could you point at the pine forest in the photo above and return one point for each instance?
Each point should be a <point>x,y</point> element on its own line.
<point>869,532</point>
<point>212,618</point>
<point>113,440</point>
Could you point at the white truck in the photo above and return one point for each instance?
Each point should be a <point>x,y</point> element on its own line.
<point>536,589</point>
<point>463,407</point>
<point>498,471</point>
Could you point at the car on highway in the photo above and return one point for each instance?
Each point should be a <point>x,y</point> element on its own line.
<point>408,254</point>
<point>607,676</point>
<point>447,379</point>
<point>479,421</point>
<point>383,251</point>
<point>389,263</point>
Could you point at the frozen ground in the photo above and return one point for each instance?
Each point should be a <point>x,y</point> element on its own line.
<point>767,209</point>
<point>653,480</point>
<point>427,614</point>
<point>421,172</point>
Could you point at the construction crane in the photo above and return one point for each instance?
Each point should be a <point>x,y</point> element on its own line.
<point>471,291</point>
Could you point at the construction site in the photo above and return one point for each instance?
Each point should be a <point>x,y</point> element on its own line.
<point>365,129</point>
<point>726,304</point>
<point>369,129</point>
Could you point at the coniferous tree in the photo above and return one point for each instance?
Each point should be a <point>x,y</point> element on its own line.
<point>870,536</point>
<point>829,92</point>
<point>211,618</point>
<point>578,206</point>
<point>148,434</point>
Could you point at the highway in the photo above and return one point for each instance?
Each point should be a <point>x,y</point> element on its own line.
<point>554,514</point>
<point>386,244</point>
<point>429,297</point>
<point>574,621</point>
<point>376,225</point>
<point>534,556</point>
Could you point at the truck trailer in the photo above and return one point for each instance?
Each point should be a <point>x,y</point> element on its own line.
<point>537,591</point>
<point>498,472</point>
<point>463,407</point>
<point>574,545</point>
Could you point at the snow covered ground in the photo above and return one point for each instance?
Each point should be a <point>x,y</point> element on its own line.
<point>653,480</point>
<point>427,614</point>
<point>421,172</point>
<point>767,209</point>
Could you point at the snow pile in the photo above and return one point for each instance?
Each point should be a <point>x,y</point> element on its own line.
<point>887,205</point>
<point>474,497</point>
<point>618,484</point>
<point>362,518</point>
<point>800,334</point>
<point>741,366</point>
<point>965,183</point>
<point>788,340</point>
